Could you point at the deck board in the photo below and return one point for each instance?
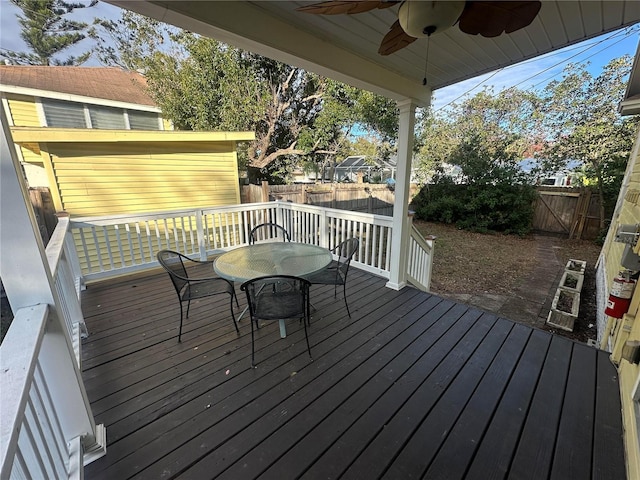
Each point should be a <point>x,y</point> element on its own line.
<point>411,386</point>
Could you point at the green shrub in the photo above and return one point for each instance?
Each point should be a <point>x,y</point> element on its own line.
<point>483,208</point>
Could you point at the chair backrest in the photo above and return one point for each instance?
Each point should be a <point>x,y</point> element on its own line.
<point>277,297</point>
<point>268,232</point>
<point>345,251</point>
<point>172,262</point>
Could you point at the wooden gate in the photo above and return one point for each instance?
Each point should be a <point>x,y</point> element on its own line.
<point>569,211</point>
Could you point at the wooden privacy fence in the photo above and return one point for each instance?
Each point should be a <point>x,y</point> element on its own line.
<point>570,211</point>
<point>359,197</point>
<point>45,211</point>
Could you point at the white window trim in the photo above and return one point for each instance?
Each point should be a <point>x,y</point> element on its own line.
<point>126,118</point>
<point>87,116</point>
<point>7,110</point>
<point>127,124</point>
<point>37,93</point>
<point>40,110</point>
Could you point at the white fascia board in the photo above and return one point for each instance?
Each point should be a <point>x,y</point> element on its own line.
<point>630,106</point>
<point>34,92</point>
<point>633,84</point>
<point>248,27</point>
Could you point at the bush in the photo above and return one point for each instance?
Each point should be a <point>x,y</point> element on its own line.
<point>482,208</point>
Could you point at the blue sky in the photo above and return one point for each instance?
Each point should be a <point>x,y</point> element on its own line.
<point>536,73</point>
<point>533,74</point>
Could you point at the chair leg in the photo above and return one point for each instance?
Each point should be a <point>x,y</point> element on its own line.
<point>344,290</point>
<point>180,331</point>
<point>188,307</point>
<point>253,363</point>
<point>306,334</point>
<point>236,297</point>
<point>233,317</point>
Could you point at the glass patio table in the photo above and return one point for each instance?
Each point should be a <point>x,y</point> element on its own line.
<point>274,258</point>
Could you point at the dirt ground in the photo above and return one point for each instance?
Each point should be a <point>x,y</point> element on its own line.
<point>474,263</point>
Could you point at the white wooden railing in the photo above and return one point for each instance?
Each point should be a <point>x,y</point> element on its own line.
<point>66,274</point>
<point>419,259</point>
<point>33,442</point>
<point>47,426</point>
<point>112,245</point>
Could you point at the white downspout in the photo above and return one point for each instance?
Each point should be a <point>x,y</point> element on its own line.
<point>400,232</point>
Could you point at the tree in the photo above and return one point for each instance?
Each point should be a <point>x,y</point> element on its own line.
<point>486,136</point>
<point>127,42</point>
<point>47,32</point>
<point>434,144</point>
<point>583,124</point>
<point>202,84</point>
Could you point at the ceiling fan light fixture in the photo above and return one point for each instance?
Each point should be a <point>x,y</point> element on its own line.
<point>422,18</point>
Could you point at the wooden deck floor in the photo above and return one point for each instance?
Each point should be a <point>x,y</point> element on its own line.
<point>413,386</point>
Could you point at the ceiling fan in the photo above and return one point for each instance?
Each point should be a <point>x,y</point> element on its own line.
<point>420,18</point>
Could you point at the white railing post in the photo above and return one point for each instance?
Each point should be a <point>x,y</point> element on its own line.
<point>409,226</point>
<point>430,242</point>
<point>202,241</point>
<point>279,213</point>
<point>419,257</point>
<point>324,229</point>
<point>71,255</point>
<point>65,282</point>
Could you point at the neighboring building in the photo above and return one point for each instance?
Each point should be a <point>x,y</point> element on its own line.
<point>98,141</point>
<point>567,177</point>
<point>74,97</point>
<point>616,334</point>
<point>104,172</point>
<point>376,171</point>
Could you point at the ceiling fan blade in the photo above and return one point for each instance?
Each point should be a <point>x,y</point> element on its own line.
<point>348,7</point>
<point>493,18</point>
<point>396,39</point>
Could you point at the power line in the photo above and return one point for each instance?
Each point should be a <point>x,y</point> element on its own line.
<point>583,60</point>
<point>626,32</point>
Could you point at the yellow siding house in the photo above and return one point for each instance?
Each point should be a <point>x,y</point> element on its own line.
<point>614,334</point>
<point>104,147</point>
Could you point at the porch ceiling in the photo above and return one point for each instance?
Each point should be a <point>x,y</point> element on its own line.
<point>345,47</point>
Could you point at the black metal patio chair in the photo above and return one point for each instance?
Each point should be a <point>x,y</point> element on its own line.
<point>189,288</point>
<point>336,272</point>
<point>277,297</point>
<point>268,232</point>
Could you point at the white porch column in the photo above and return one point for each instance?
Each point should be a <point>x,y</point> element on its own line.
<point>400,233</point>
<point>28,282</point>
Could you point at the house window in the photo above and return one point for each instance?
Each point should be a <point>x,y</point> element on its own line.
<point>106,118</point>
<point>143,120</point>
<point>64,114</point>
